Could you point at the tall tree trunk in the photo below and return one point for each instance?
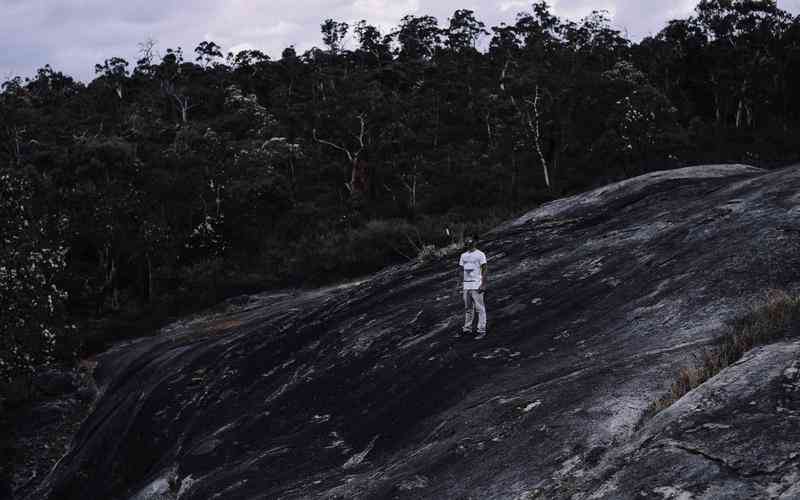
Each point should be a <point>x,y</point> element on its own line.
<point>741,108</point>
<point>112,278</point>
<point>739,114</point>
<point>150,285</point>
<point>109,265</point>
<point>490,140</point>
<point>515,180</point>
<point>292,179</point>
<point>717,113</point>
<point>538,138</point>
<point>436,129</point>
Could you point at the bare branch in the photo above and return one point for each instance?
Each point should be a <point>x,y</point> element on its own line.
<point>413,245</point>
<point>533,125</point>
<point>352,156</point>
<point>503,75</point>
<point>361,135</point>
<point>335,146</point>
<point>182,102</point>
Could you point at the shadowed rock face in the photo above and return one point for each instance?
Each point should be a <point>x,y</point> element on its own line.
<point>361,391</point>
<point>735,436</point>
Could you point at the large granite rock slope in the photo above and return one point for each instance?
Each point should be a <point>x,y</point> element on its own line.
<point>361,390</point>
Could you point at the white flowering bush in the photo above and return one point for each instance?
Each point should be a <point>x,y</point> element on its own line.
<point>31,303</point>
<point>207,237</point>
<point>247,105</point>
<point>640,123</point>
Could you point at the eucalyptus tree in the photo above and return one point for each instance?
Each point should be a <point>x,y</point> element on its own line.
<point>528,51</point>
<point>418,37</point>
<point>208,53</point>
<point>373,47</point>
<point>464,31</point>
<point>113,73</point>
<point>742,36</point>
<point>334,34</point>
<point>32,259</point>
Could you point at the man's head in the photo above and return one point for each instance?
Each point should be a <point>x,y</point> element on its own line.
<point>471,241</point>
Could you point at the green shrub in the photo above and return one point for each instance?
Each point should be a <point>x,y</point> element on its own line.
<point>32,260</point>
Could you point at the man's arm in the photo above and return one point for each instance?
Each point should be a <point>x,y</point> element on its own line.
<point>460,273</point>
<point>484,275</point>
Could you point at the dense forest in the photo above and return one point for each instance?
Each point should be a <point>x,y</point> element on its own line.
<point>168,184</point>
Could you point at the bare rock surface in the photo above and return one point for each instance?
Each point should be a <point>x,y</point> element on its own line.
<point>361,390</point>
<point>736,436</point>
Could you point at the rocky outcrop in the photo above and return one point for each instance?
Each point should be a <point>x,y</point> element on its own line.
<point>736,436</point>
<point>361,391</point>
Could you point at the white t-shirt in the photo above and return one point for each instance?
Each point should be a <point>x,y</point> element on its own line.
<point>471,262</point>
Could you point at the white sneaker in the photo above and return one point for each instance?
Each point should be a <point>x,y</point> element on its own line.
<point>480,335</point>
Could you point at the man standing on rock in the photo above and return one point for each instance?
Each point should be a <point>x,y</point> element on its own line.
<point>473,262</point>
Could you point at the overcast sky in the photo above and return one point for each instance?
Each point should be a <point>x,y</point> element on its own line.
<point>73,35</point>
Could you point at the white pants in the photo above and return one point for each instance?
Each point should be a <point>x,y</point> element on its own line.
<point>473,299</point>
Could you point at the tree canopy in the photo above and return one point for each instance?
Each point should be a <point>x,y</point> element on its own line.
<point>165,186</point>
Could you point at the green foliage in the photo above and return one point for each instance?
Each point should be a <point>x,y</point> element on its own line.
<point>333,34</point>
<point>418,36</point>
<point>373,47</point>
<point>31,302</point>
<point>464,30</point>
<point>207,53</point>
<point>180,181</point>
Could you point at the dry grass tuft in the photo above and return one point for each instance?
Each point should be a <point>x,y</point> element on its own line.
<point>431,252</point>
<point>224,325</point>
<point>776,319</point>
